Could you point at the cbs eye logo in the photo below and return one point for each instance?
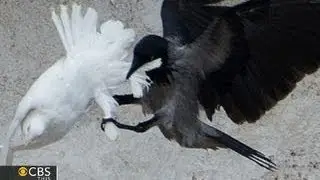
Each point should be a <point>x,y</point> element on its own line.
<point>22,171</point>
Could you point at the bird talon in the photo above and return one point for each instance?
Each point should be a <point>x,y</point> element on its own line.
<point>104,121</point>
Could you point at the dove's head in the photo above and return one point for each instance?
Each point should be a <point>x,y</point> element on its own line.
<point>34,125</point>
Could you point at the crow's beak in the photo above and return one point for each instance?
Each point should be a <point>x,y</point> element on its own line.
<point>134,66</point>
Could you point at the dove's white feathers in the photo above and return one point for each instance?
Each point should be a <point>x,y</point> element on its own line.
<point>94,64</point>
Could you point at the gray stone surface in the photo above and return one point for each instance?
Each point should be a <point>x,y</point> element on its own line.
<point>29,44</point>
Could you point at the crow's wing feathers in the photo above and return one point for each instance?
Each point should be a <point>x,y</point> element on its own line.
<point>185,20</point>
<point>280,45</point>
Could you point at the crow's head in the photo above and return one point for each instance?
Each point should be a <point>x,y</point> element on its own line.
<point>148,49</point>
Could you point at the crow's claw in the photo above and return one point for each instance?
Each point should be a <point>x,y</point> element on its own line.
<point>104,121</point>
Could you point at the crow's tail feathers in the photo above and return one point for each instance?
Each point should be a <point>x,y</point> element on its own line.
<point>238,147</point>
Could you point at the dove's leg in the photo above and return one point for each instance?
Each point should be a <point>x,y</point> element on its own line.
<point>108,105</point>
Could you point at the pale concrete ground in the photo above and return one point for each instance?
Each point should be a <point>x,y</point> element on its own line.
<point>29,44</point>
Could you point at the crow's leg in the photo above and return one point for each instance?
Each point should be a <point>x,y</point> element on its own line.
<point>126,99</point>
<point>141,127</point>
<point>109,104</point>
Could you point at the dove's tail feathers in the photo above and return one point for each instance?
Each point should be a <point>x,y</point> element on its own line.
<point>77,32</point>
<point>115,31</point>
<point>6,152</point>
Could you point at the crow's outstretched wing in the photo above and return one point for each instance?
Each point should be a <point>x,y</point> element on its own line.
<point>278,44</point>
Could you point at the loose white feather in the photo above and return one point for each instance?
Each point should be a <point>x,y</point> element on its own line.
<point>137,80</point>
<point>94,65</point>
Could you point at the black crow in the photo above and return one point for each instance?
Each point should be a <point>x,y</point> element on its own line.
<point>244,58</point>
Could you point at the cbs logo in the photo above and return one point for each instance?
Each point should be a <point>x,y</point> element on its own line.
<point>34,171</point>
<point>22,171</point>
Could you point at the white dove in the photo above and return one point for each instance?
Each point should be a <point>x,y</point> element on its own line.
<point>94,65</point>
